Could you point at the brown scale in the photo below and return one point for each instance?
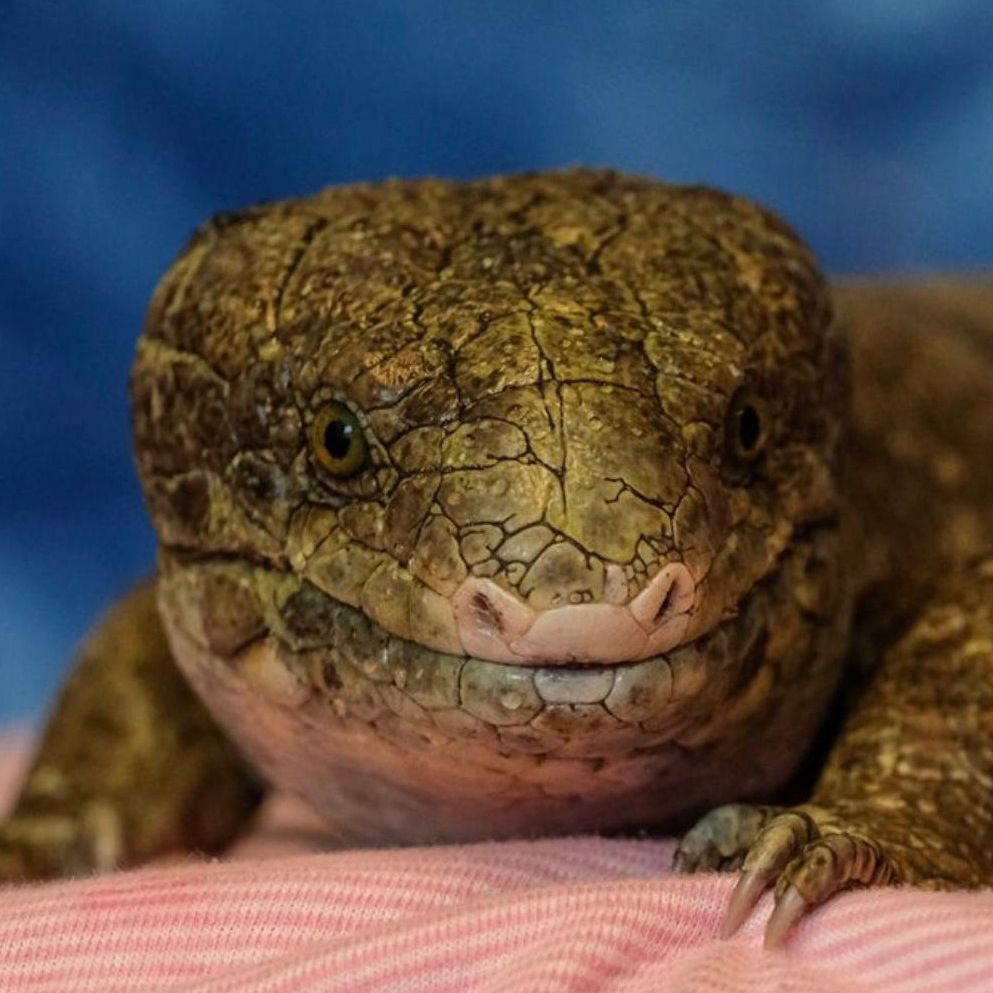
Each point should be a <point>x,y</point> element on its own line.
<point>546,374</point>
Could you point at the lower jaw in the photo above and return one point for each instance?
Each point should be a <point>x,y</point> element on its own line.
<point>395,743</point>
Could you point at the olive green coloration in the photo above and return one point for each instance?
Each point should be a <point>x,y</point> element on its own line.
<point>410,448</point>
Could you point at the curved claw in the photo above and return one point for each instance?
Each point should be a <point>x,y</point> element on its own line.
<point>790,907</point>
<point>751,886</point>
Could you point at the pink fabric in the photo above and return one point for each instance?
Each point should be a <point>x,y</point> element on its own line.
<point>578,914</point>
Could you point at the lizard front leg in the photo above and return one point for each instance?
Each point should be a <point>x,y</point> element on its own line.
<point>906,795</point>
<point>130,764</point>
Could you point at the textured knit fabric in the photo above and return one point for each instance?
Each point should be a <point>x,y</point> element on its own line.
<point>577,914</point>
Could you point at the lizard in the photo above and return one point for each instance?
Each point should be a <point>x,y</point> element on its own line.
<point>549,503</point>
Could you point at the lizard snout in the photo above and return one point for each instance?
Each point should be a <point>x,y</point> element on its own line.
<point>494,624</point>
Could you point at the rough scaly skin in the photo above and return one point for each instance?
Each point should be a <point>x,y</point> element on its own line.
<point>543,367</point>
<point>906,794</point>
<point>133,766</point>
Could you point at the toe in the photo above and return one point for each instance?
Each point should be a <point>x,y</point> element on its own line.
<point>779,842</point>
<point>751,886</point>
<point>775,848</point>
<point>720,840</point>
<point>790,907</point>
<point>836,861</point>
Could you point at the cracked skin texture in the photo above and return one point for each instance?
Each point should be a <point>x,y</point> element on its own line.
<point>542,367</point>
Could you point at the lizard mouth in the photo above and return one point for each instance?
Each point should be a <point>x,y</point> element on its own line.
<point>295,644</point>
<point>400,742</point>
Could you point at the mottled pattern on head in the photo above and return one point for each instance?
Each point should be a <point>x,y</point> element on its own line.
<point>543,365</point>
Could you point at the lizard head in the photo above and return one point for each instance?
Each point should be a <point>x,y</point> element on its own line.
<point>550,460</point>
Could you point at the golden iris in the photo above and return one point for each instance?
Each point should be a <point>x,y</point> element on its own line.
<point>746,427</point>
<point>338,440</point>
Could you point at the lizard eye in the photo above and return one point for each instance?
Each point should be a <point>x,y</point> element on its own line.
<point>338,441</point>
<point>746,427</point>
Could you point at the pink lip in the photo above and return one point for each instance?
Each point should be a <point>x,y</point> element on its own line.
<point>495,625</point>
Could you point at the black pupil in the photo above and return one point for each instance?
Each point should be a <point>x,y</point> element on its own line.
<point>338,438</point>
<point>749,428</point>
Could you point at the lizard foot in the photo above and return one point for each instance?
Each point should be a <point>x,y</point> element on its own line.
<point>805,853</point>
<point>41,846</point>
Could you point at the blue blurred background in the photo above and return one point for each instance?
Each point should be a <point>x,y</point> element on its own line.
<point>868,123</point>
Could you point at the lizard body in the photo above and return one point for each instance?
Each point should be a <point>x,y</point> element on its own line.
<point>551,503</point>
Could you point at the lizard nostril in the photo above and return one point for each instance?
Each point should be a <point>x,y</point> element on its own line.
<point>487,614</point>
<point>489,618</point>
<point>667,597</point>
<point>664,605</point>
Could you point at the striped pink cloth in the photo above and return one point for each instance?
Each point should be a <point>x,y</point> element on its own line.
<point>578,914</point>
